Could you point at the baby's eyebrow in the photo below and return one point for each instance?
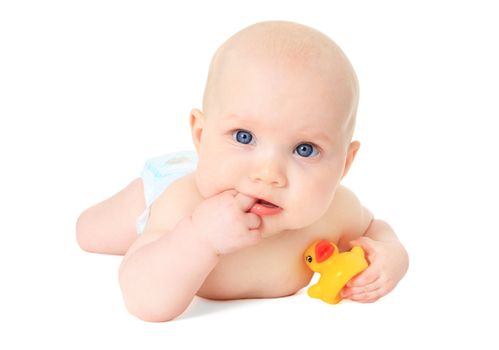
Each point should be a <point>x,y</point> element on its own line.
<point>321,136</point>
<point>318,135</point>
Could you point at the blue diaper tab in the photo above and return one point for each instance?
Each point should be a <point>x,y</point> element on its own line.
<point>159,173</point>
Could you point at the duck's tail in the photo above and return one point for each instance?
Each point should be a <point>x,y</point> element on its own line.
<point>358,250</point>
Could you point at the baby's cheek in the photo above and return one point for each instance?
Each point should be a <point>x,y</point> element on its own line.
<point>317,199</point>
<point>210,180</point>
<point>303,212</point>
<point>205,186</point>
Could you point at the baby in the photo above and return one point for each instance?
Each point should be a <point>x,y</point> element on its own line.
<point>273,142</point>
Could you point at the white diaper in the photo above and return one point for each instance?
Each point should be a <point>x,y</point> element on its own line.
<point>159,173</point>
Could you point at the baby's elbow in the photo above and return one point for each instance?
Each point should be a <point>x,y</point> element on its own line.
<point>148,316</point>
<point>144,306</point>
<point>149,312</point>
<point>83,236</point>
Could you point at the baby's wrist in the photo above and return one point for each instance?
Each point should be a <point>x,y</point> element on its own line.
<point>187,224</point>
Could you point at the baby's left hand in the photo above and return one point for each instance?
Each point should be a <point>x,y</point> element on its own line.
<point>388,262</point>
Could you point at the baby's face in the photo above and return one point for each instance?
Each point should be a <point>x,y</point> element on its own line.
<point>277,133</point>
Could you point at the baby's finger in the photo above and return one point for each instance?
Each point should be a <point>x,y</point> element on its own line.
<point>365,243</point>
<point>367,297</point>
<point>253,237</point>
<point>348,292</point>
<point>232,192</point>
<point>245,202</point>
<point>252,221</point>
<point>366,277</point>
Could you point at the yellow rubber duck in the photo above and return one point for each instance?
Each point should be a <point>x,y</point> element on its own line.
<point>335,268</point>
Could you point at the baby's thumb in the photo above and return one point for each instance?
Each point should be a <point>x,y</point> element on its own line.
<point>365,243</point>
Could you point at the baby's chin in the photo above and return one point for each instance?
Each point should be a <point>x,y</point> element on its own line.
<point>272,228</point>
<point>269,229</point>
<point>269,234</point>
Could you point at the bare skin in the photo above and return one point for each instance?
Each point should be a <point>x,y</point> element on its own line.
<point>231,278</point>
<point>278,118</point>
<point>109,226</point>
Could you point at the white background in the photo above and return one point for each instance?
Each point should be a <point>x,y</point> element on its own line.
<point>89,90</point>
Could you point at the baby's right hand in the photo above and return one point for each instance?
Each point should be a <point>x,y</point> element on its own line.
<point>223,221</point>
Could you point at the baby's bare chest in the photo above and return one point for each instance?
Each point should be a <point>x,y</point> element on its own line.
<point>273,268</point>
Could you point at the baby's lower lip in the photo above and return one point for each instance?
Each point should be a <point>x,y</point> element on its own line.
<point>264,209</point>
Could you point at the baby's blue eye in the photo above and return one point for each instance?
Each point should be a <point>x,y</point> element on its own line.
<point>244,137</point>
<point>306,150</point>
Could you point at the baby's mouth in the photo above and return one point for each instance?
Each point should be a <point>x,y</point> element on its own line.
<point>266,204</point>
<point>263,208</point>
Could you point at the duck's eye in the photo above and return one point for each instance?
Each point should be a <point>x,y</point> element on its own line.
<point>309,259</point>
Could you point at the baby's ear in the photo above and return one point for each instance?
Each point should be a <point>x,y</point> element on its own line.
<point>196,121</point>
<point>351,153</point>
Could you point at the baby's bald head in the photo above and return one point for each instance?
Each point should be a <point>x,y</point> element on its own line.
<point>296,45</point>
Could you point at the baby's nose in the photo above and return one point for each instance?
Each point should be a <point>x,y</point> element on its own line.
<point>269,171</point>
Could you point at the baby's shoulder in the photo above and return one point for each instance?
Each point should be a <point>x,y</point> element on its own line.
<point>349,215</point>
<point>344,204</point>
<point>346,218</point>
<point>176,202</point>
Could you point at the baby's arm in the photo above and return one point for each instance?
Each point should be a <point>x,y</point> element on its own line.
<point>388,259</point>
<point>388,264</point>
<point>109,226</point>
<point>164,268</point>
